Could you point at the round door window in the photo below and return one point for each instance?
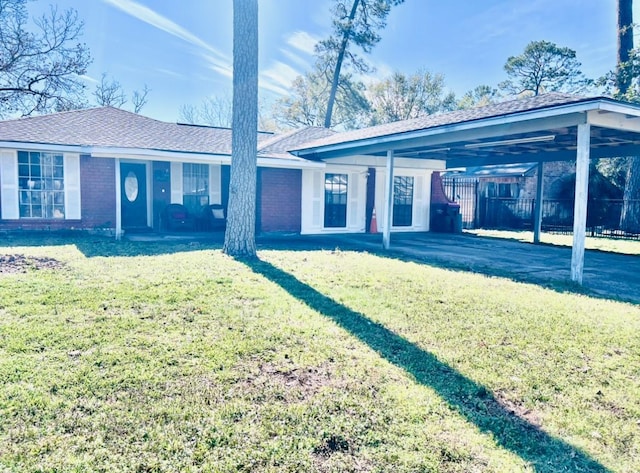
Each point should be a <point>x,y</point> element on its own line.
<point>131,186</point>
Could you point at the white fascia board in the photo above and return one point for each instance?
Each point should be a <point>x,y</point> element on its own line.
<point>614,120</point>
<point>398,162</point>
<point>579,109</point>
<point>158,155</point>
<point>44,147</point>
<point>173,156</point>
<point>290,163</point>
<point>626,109</point>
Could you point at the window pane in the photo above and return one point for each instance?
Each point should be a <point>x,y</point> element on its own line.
<point>195,186</point>
<point>335,200</point>
<point>41,196</point>
<point>35,170</point>
<point>402,201</point>
<point>24,211</point>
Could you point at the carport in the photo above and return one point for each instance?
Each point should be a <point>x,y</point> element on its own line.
<point>545,128</point>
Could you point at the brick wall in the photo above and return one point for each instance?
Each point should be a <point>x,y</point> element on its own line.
<point>554,175</point>
<point>437,189</point>
<point>279,200</point>
<point>98,200</point>
<point>98,188</point>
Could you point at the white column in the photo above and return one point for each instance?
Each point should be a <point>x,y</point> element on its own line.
<point>580,204</point>
<point>388,208</point>
<point>537,225</point>
<point>118,201</point>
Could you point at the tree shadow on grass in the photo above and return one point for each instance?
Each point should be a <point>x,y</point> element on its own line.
<point>102,246</point>
<point>474,402</point>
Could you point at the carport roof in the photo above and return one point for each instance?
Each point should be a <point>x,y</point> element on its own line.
<point>540,128</point>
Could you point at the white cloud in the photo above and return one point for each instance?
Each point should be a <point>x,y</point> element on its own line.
<point>170,73</point>
<point>217,61</point>
<point>88,79</point>
<point>303,41</point>
<point>278,78</point>
<point>295,58</point>
<point>163,23</point>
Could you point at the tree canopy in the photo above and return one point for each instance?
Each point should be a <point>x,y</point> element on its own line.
<point>306,104</point>
<point>401,97</point>
<point>40,64</point>
<point>355,23</point>
<point>543,67</point>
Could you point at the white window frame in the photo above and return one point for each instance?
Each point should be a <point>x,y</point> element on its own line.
<point>10,186</point>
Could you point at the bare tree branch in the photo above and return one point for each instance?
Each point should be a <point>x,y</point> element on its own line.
<point>40,66</point>
<point>109,93</point>
<point>139,98</point>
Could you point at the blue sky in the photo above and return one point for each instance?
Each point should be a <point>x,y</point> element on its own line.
<point>183,49</point>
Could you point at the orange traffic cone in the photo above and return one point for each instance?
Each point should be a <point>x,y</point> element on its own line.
<point>373,228</point>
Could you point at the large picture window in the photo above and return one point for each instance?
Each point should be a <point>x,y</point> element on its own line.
<point>41,184</point>
<point>335,200</point>
<point>402,201</point>
<point>195,186</point>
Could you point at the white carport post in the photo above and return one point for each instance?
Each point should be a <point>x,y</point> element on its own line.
<point>537,225</point>
<point>580,205</point>
<point>388,208</point>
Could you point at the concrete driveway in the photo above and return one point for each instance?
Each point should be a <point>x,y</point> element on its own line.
<point>609,275</point>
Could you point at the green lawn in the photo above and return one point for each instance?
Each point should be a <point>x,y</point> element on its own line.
<point>613,245</point>
<point>135,357</point>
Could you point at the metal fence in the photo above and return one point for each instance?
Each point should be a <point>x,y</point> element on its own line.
<point>611,218</point>
<point>463,191</point>
<point>604,217</point>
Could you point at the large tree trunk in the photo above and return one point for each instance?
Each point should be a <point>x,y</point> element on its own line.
<point>239,239</point>
<point>625,43</point>
<point>336,71</point>
<point>630,217</point>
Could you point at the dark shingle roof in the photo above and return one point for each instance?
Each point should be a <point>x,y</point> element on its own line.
<point>458,116</point>
<point>112,127</point>
<point>281,144</point>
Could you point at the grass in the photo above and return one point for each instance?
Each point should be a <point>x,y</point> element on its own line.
<point>165,358</point>
<point>612,245</point>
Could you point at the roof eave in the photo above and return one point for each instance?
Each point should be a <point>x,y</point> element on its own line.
<point>579,108</point>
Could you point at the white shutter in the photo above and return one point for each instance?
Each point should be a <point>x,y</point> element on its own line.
<point>380,200</point>
<point>215,184</point>
<point>311,201</point>
<point>9,185</point>
<point>357,202</point>
<point>317,199</point>
<point>176,183</point>
<point>419,210</point>
<point>72,203</point>
<point>427,200</point>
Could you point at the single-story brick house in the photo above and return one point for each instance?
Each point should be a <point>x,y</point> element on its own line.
<point>113,171</point>
<point>109,169</point>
